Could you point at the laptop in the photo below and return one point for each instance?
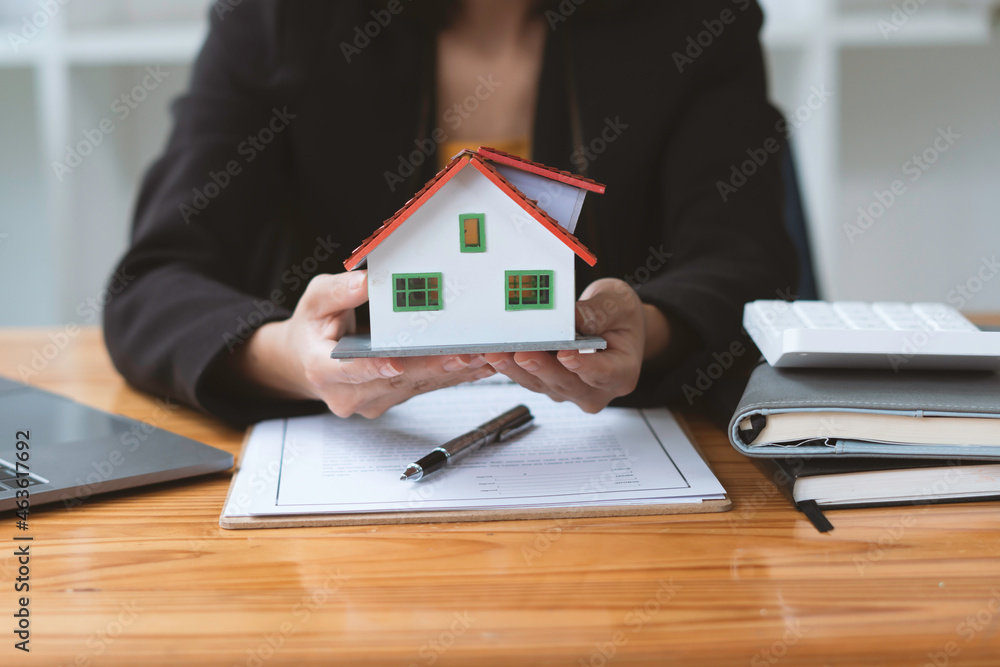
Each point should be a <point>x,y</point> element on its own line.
<point>72,452</point>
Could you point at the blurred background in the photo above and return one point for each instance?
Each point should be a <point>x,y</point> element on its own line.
<point>876,92</point>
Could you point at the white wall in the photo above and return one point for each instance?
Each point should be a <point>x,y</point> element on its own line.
<point>101,192</point>
<point>895,80</point>
<point>941,69</point>
<point>61,232</point>
<point>28,280</point>
<point>937,235</point>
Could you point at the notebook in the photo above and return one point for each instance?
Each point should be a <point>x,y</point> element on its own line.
<point>815,484</point>
<point>868,413</point>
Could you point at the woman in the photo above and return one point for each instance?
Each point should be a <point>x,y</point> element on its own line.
<point>308,123</point>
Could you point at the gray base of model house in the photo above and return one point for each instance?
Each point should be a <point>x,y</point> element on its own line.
<point>359,346</point>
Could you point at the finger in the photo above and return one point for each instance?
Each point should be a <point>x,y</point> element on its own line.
<point>612,309</point>
<point>346,399</point>
<point>335,327</point>
<point>330,294</point>
<point>494,358</point>
<point>607,305</point>
<point>508,367</point>
<point>322,372</point>
<point>361,371</point>
<point>378,404</point>
<point>614,370</point>
<point>544,367</point>
<point>444,363</point>
<point>562,382</point>
<point>326,373</point>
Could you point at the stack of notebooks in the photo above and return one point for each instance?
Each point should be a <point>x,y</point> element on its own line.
<point>833,438</point>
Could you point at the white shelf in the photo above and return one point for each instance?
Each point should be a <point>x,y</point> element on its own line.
<point>136,45</point>
<point>932,25</point>
<point>26,54</point>
<point>178,43</point>
<point>929,27</point>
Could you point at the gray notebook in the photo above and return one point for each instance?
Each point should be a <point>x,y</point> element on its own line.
<point>834,412</point>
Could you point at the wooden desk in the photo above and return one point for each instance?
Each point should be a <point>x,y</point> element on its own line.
<point>148,577</point>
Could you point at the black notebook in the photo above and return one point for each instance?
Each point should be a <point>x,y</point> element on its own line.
<point>814,484</point>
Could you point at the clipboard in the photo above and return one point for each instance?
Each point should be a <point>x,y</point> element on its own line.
<point>478,514</point>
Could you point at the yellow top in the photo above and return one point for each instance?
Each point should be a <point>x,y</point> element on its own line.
<point>449,149</point>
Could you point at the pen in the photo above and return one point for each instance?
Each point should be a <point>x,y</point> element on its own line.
<point>496,430</point>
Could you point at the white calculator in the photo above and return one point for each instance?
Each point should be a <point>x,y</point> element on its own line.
<point>851,334</point>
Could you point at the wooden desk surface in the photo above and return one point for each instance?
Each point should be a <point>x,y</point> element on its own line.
<point>149,578</point>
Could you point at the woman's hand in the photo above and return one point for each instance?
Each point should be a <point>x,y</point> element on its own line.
<point>291,359</point>
<point>635,332</point>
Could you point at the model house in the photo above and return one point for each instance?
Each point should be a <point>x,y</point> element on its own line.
<point>482,256</point>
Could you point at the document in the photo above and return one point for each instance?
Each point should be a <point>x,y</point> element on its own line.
<point>326,464</point>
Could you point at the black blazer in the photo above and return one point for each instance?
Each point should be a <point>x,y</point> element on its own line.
<point>298,137</point>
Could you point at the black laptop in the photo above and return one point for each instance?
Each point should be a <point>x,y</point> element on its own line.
<point>68,452</point>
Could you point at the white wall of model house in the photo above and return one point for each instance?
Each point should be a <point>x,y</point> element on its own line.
<point>474,308</point>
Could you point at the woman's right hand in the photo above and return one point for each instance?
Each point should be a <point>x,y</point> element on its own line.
<point>291,358</point>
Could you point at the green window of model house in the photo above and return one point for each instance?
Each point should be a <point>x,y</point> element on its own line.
<point>416,291</point>
<point>529,290</point>
<point>472,232</point>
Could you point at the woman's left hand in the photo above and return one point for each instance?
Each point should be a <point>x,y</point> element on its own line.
<point>609,308</point>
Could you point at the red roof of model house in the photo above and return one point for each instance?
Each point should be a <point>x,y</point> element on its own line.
<point>478,160</point>
<point>494,155</point>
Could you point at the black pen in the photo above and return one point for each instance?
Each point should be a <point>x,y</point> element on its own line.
<point>496,430</point>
